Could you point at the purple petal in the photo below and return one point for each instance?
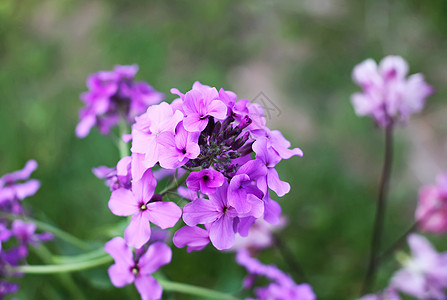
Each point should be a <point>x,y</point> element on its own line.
<point>26,189</point>
<point>195,238</point>
<point>144,188</point>
<point>278,186</point>
<point>163,214</point>
<point>195,123</point>
<point>139,231</point>
<point>121,253</point>
<point>158,254</point>
<point>200,211</point>
<point>222,233</point>
<point>217,109</point>
<point>120,275</point>
<point>123,203</point>
<point>148,287</point>
<point>272,211</point>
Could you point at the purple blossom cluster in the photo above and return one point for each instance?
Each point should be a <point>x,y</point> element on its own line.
<point>16,235</point>
<point>113,96</point>
<point>221,148</point>
<point>388,96</point>
<point>281,287</point>
<point>423,276</point>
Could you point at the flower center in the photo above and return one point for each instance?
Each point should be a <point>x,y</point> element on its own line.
<point>143,207</point>
<point>135,270</point>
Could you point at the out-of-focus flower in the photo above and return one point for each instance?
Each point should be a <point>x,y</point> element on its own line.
<point>424,275</point>
<point>282,286</point>
<point>112,96</point>
<point>15,186</point>
<point>118,177</point>
<point>139,269</point>
<point>431,212</point>
<point>388,96</point>
<point>388,294</point>
<point>17,234</point>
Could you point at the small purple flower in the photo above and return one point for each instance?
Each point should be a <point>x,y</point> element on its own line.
<point>145,132</point>
<point>243,191</point>
<point>11,187</point>
<point>282,286</point>
<point>199,104</point>
<point>205,181</point>
<point>178,148</point>
<point>118,177</point>
<point>5,234</point>
<point>144,208</point>
<point>7,288</point>
<point>388,96</point>
<point>424,275</point>
<point>113,95</point>
<point>138,270</point>
<point>220,215</point>
<point>270,158</point>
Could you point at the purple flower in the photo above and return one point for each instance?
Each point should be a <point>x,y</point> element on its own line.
<point>118,177</point>
<point>5,234</point>
<point>7,288</point>
<point>243,191</point>
<point>144,208</point>
<point>388,294</point>
<point>257,234</point>
<point>199,104</point>
<point>147,129</point>
<point>26,233</point>
<point>205,181</point>
<point>221,216</point>
<point>138,270</point>
<point>111,96</point>
<point>424,275</point>
<point>270,158</point>
<point>388,96</point>
<point>282,286</point>
<point>178,148</point>
<point>11,187</point>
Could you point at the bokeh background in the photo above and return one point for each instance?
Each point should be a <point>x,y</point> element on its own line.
<point>299,54</point>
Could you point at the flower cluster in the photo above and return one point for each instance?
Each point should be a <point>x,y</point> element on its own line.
<point>282,287</point>
<point>221,149</point>
<point>431,213</point>
<point>388,96</point>
<point>423,276</point>
<point>16,235</point>
<point>114,95</point>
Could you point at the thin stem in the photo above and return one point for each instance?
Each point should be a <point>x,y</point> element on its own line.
<point>397,244</point>
<point>50,228</point>
<point>289,258</point>
<point>123,148</point>
<point>64,268</point>
<point>193,290</point>
<point>174,185</point>
<point>380,210</point>
<point>79,258</point>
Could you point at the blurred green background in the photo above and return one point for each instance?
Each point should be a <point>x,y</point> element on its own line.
<point>298,53</point>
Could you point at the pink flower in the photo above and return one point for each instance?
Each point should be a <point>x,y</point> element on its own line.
<point>431,212</point>
<point>388,95</point>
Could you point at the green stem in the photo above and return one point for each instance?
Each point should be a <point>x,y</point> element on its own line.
<point>174,185</point>
<point>122,146</point>
<point>49,228</point>
<point>79,258</point>
<point>64,268</point>
<point>193,290</point>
